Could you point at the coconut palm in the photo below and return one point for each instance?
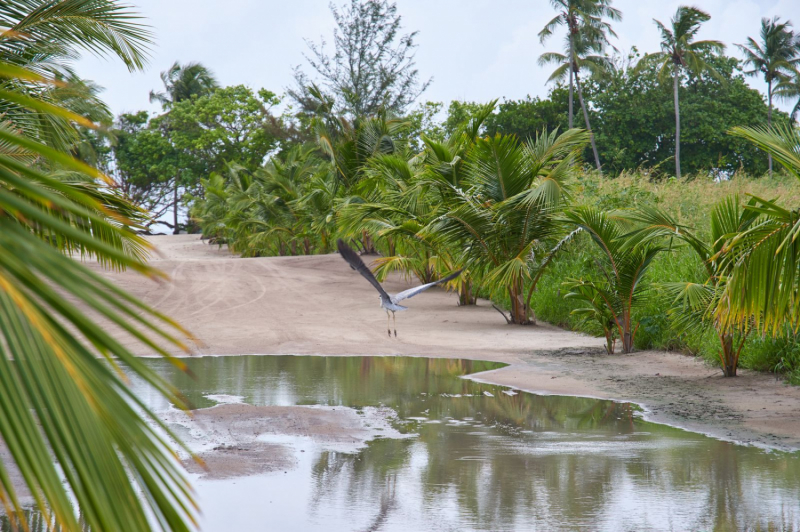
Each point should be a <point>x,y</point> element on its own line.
<point>776,56</point>
<point>71,425</point>
<point>696,304</point>
<point>504,213</point>
<point>402,195</point>
<point>69,421</point>
<point>393,204</point>
<point>349,146</point>
<point>612,295</point>
<point>44,36</point>
<point>585,55</point>
<point>681,53</point>
<point>765,259</point>
<point>182,82</point>
<point>584,18</point>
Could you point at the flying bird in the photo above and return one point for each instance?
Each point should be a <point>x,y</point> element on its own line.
<point>390,303</point>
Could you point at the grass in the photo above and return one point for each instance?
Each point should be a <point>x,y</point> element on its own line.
<point>691,202</point>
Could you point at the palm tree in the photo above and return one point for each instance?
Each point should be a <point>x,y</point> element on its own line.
<point>582,18</point>
<point>504,213</point>
<point>404,194</point>
<point>776,57</point>
<point>680,52</point>
<point>43,37</point>
<point>612,295</point>
<point>70,423</point>
<point>696,305</point>
<point>765,260</point>
<point>584,56</point>
<point>182,82</point>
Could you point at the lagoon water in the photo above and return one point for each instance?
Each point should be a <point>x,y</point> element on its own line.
<point>479,458</point>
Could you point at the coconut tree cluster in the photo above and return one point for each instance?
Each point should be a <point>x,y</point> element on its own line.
<point>775,56</point>
<point>489,205</point>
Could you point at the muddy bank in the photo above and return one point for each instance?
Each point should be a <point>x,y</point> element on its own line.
<point>235,440</point>
<point>318,305</point>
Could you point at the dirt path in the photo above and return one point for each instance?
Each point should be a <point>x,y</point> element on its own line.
<point>317,305</point>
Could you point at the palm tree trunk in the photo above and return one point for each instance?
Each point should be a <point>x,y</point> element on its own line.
<point>465,295</point>
<point>570,80</point>
<point>769,120</point>
<point>175,228</point>
<point>727,355</point>
<point>518,309</point>
<point>627,333</point>
<point>677,126</point>
<point>586,119</point>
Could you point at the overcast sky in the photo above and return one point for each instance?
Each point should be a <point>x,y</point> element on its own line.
<point>474,49</point>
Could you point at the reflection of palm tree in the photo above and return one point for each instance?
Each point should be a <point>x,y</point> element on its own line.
<point>388,503</point>
<point>516,476</point>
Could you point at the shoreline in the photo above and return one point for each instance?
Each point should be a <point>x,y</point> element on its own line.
<point>277,305</point>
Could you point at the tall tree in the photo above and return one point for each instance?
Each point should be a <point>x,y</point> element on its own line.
<point>634,118</point>
<point>181,82</point>
<point>776,56</point>
<point>679,52</point>
<point>584,18</point>
<point>372,68</point>
<point>585,54</point>
<point>145,164</point>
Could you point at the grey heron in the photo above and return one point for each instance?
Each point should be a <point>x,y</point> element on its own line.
<point>390,303</point>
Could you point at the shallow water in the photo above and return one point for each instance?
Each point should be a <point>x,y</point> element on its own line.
<point>479,459</point>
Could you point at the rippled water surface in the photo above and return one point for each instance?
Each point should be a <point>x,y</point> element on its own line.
<point>480,459</point>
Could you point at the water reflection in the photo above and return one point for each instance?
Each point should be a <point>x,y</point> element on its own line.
<point>483,460</point>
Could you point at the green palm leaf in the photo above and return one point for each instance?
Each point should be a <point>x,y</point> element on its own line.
<point>72,426</point>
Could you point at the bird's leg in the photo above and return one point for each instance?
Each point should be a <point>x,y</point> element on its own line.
<point>394,319</point>
<point>388,325</point>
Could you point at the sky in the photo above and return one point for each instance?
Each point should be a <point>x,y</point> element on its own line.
<point>474,50</point>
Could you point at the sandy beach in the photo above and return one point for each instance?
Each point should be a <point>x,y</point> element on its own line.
<point>318,305</point>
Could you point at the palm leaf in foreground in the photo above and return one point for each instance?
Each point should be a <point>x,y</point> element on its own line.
<point>765,259</point>
<point>72,426</point>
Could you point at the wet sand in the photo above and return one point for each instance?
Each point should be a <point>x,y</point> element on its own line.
<point>318,305</point>
<point>235,440</point>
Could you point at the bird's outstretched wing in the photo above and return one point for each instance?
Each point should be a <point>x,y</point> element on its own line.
<point>355,262</point>
<point>411,292</point>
